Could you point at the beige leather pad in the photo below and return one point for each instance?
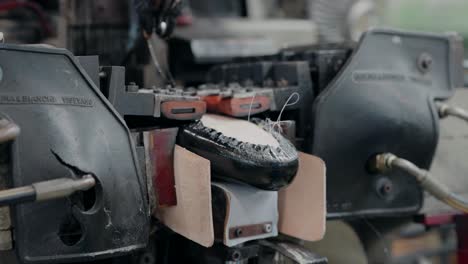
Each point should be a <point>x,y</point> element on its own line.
<point>192,216</point>
<point>302,205</point>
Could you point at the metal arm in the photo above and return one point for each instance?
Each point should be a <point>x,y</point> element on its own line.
<point>46,190</point>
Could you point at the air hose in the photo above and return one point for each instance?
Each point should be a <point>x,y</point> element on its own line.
<point>387,162</point>
<point>446,110</point>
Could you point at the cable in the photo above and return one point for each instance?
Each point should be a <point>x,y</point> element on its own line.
<point>387,161</point>
<point>445,110</point>
<point>278,120</point>
<point>167,76</point>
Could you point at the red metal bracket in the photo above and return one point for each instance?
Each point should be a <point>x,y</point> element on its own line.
<point>161,149</point>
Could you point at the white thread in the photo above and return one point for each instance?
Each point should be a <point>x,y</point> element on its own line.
<point>167,76</point>
<point>250,108</point>
<point>273,124</point>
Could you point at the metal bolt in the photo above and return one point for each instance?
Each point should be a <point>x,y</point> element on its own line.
<point>132,87</point>
<point>236,255</point>
<point>238,232</point>
<point>384,187</point>
<point>267,228</point>
<point>425,62</point>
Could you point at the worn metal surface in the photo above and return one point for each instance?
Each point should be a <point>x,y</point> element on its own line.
<point>295,253</point>
<point>6,242</point>
<point>162,103</point>
<point>68,128</point>
<point>160,148</point>
<point>378,106</point>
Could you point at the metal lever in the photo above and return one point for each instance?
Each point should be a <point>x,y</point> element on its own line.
<point>46,190</point>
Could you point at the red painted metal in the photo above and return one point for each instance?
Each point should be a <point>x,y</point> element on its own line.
<point>461,222</point>
<point>162,143</point>
<point>436,220</point>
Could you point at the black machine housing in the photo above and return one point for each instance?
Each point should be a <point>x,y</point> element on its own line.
<point>376,97</point>
<point>69,129</point>
<point>382,101</point>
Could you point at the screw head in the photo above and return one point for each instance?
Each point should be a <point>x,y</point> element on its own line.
<point>425,62</point>
<point>236,255</point>
<point>385,188</point>
<point>267,228</point>
<point>238,232</point>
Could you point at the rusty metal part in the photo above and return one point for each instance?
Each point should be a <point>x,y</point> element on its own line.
<point>8,131</point>
<point>5,221</point>
<point>160,146</point>
<point>250,230</point>
<point>6,242</point>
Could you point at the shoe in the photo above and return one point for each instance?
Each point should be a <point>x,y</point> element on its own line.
<point>252,153</point>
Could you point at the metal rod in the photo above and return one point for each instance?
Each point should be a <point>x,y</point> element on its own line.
<point>17,196</point>
<point>47,190</point>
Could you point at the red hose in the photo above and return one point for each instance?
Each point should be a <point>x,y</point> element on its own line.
<point>37,9</point>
